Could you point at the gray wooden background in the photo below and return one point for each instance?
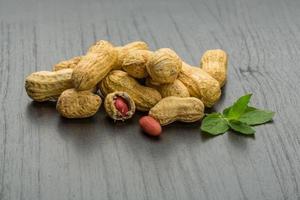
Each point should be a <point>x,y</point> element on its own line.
<point>43,156</point>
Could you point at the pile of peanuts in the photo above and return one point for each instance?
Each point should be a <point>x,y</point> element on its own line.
<point>130,78</point>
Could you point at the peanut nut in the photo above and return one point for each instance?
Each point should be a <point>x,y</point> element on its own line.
<point>150,126</point>
<point>119,106</point>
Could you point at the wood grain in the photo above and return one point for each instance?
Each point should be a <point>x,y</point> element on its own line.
<point>43,156</point>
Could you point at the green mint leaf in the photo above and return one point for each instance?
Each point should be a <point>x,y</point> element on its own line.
<point>226,111</point>
<point>248,109</point>
<point>241,127</point>
<point>214,124</point>
<point>256,117</point>
<point>239,107</point>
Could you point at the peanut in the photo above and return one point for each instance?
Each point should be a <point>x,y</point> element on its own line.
<point>66,64</point>
<point>119,106</point>
<point>143,97</point>
<point>134,63</point>
<point>177,88</point>
<point>149,82</point>
<point>94,66</point>
<point>45,85</point>
<point>78,104</point>
<point>164,66</point>
<point>170,109</point>
<point>150,126</point>
<point>124,50</point>
<point>214,62</point>
<point>200,84</point>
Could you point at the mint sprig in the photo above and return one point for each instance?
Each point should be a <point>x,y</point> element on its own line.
<point>239,117</point>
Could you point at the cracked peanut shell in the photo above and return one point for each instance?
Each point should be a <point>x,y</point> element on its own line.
<point>113,112</point>
<point>143,97</point>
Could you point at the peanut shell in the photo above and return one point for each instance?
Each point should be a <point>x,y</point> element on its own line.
<point>45,85</point>
<point>170,109</point>
<point>177,88</point>
<point>112,111</point>
<point>67,64</point>
<point>94,66</point>
<point>78,104</point>
<point>214,62</point>
<point>134,63</point>
<point>124,50</point>
<point>164,66</point>
<point>200,84</point>
<point>143,97</point>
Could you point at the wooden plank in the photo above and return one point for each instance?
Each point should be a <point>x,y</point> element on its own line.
<point>43,156</point>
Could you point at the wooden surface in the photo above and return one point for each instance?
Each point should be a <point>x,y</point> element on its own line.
<point>43,156</point>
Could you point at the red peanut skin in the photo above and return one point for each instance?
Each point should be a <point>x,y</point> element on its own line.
<point>121,106</point>
<point>150,126</point>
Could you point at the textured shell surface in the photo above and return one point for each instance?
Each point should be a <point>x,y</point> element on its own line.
<point>214,62</point>
<point>200,84</point>
<point>78,104</point>
<point>134,63</point>
<point>46,85</point>
<point>111,110</point>
<point>164,66</point>
<point>67,64</point>
<point>94,66</point>
<point>177,88</point>
<point>170,109</point>
<point>143,97</point>
<point>122,51</point>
